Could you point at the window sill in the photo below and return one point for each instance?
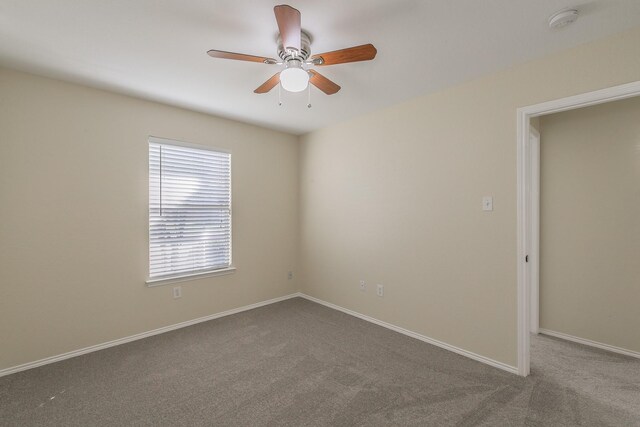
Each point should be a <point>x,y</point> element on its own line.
<point>185,277</point>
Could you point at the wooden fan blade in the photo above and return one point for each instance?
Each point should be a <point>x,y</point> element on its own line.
<point>239,56</point>
<point>288,20</point>
<point>269,84</point>
<point>323,83</point>
<point>365,52</point>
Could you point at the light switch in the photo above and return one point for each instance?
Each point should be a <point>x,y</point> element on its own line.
<point>487,203</point>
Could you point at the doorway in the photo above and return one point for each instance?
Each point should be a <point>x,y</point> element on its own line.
<point>528,179</point>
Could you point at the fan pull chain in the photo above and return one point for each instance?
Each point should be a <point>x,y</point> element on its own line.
<point>308,96</point>
<point>280,95</point>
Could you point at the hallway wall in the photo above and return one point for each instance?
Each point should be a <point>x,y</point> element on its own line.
<point>590,223</point>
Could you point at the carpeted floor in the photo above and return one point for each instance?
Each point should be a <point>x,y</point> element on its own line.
<point>298,363</point>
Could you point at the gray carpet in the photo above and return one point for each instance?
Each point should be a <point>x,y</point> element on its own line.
<point>298,363</point>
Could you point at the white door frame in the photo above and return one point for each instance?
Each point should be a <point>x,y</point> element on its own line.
<point>526,205</point>
<point>533,216</point>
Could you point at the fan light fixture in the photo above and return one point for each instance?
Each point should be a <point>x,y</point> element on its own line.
<point>294,78</point>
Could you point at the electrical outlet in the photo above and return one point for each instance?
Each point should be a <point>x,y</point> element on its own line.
<point>380,290</point>
<point>363,285</point>
<point>290,275</point>
<point>177,292</point>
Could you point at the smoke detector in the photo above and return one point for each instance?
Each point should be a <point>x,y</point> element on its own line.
<point>563,18</point>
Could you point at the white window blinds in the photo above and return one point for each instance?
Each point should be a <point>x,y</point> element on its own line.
<point>189,210</point>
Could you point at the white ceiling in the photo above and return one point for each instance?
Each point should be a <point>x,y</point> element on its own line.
<point>156,49</point>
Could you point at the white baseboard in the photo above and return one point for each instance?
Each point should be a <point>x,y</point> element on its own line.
<point>460,351</point>
<point>97,347</point>
<point>590,343</point>
<point>74,353</point>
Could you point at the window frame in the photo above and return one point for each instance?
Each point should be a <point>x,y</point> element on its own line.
<point>185,276</point>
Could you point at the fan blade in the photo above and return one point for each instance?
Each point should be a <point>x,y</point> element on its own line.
<point>288,20</point>
<point>239,56</point>
<point>365,52</point>
<point>323,83</point>
<point>269,84</point>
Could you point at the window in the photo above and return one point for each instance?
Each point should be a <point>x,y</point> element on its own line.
<point>189,210</point>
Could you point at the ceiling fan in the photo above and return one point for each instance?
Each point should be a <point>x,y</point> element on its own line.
<point>294,50</point>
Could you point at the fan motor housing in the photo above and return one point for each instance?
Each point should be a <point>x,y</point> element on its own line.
<point>302,55</point>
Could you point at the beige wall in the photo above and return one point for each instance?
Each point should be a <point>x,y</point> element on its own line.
<point>590,223</point>
<point>394,197</point>
<point>73,217</point>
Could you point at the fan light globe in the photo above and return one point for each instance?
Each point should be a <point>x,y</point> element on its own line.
<point>294,79</point>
